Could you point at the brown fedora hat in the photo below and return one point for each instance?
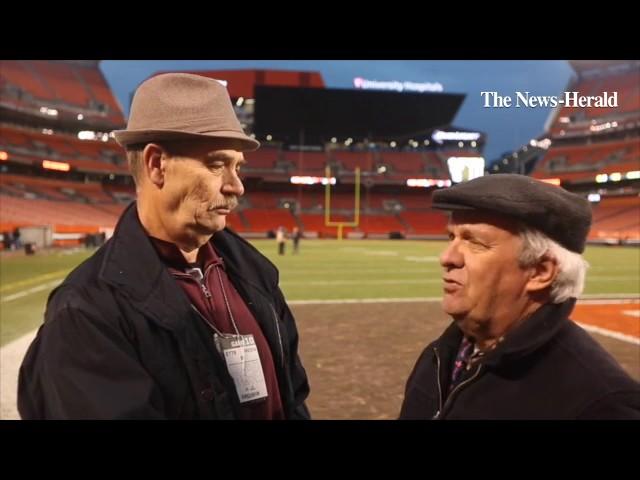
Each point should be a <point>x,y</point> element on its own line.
<point>180,106</point>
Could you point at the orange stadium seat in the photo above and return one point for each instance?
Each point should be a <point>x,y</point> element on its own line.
<point>409,162</point>
<point>19,74</point>
<point>351,160</point>
<point>425,222</point>
<point>262,220</point>
<point>64,82</point>
<point>307,163</point>
<point>263,158</point>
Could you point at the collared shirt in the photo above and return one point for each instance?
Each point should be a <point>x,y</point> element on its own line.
<point>205,289</point>
<point>461,362</point>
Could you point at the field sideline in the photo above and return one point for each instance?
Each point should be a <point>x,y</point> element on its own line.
<point>323,270</point>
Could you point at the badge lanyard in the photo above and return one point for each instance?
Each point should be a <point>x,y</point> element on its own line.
<point>240,351</point>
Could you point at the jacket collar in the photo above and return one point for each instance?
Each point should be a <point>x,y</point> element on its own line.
<point>132,265</point>
<point>533,333</point>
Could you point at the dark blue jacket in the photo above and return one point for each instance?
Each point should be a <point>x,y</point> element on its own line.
<point>547,368</point>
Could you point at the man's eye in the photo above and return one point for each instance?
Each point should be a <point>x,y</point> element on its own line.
<point>477,243</point>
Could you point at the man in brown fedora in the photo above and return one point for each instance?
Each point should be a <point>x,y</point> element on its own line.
<point>175,316</point>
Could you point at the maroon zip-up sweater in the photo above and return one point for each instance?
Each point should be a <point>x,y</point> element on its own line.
<point>206,295</point>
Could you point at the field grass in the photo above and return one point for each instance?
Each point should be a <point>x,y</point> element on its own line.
<point>323,270</point>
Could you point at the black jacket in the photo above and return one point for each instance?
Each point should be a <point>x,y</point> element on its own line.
<point>547,368</point>
<point>121,340</point>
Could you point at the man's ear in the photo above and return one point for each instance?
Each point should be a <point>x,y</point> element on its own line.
<point>154,163</point>
<point>543,274</point>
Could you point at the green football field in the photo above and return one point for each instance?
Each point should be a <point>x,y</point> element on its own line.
<point>323,270</point>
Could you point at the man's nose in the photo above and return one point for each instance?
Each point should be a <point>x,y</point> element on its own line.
<point>451,256</point>
<point>232,184</point>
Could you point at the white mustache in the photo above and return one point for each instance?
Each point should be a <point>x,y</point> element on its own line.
<point>230,204</point>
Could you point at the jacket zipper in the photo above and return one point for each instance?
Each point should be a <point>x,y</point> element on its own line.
<point>205,290</point>
<point>275,320</point>
<point>435,350</point>
<point>457,389</point>
<point>202,284</point>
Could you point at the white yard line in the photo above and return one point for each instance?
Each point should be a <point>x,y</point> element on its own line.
<point>364,300</point>
<point>419,281</point>
<point>11,356</point>
<point>24,293</point>
<point>611,334</point>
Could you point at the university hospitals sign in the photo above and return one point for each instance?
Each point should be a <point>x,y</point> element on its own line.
<point>394,85</point>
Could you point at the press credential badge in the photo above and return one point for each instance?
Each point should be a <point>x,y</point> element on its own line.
<point>243,362</point>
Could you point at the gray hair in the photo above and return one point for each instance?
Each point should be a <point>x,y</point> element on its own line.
<point>572,267</point>
<point>135,160</point>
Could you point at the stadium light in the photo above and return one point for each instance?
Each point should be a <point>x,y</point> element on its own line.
<point>334,139</point>
<point>602,178</point>
<point>240,101</point>
<point>49,111</point>
<point>632,175</point>
<point>87,135</point>
<point>460,144</point>
<point>615,177</point>
<point>427,182</point>
<point>462,169</point>
<point>269,137</point>
<point>473,144</point>
<point>80,116</point>
<point>426,143</point>
<point>393,144</point>
<point>552,181</point>
<point>306,180</point>
<point>4,156</point>
<point>594,197</point>
<point>60,166</point>
<point>544,143</point>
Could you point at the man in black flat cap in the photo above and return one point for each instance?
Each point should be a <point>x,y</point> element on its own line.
<point>511,274</point>
<point>176,316</point>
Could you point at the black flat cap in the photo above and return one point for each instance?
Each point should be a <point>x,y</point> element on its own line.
<point>563,216</point>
